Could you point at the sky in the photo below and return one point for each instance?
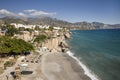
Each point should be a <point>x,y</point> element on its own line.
<point>106,11</point>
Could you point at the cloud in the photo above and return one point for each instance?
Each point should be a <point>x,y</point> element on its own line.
<point>5,12</point>
<point>33,12</point>
<point>25,13</point>
<point>22,14</point>
<point>30,10</point>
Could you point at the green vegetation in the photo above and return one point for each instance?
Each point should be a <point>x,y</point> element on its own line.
<point>11,45</point>
<point>9,63</point>
<point>37,28</point>
<point>21,28</point>
<point>10,29</point>
<point>40,38</point>
<point>25,29</point>
<point>29,30</point>
<point>51,28</point>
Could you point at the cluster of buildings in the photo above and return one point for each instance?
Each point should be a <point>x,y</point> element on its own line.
<point>30,26</point>
<point>33,26</point>
<point>29,36</point>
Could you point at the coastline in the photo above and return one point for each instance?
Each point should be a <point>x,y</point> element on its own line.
<point>86,70</point>
<point>78,66</point>
<point>55,64</point>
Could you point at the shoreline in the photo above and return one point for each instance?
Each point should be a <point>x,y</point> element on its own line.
<point>86,70</point>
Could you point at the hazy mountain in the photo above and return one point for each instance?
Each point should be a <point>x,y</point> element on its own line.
<point>12,20</point>
<point>56,22</point>
<point>96,25</point>
<point>48,21</point>
<point>84,25</point>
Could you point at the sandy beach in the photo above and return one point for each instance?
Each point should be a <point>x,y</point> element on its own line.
<point>53,66</point>
<point>60,66</point>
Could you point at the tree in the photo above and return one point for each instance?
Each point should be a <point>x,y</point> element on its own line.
<point>40,38</point>
<point>29,30</point>
<point>10,30</point>
<point>12,45</point>
<point>51,28</point>
<point>21,28</point>
<point>37,28</point>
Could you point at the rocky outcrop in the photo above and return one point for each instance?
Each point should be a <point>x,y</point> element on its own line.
<point>63,44</point>
<point>51,44</point>
<point>67,35</point>
<point>57,43</point>
<point>27,36</point>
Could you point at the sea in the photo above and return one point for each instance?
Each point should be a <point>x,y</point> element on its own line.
<point>97,52</point>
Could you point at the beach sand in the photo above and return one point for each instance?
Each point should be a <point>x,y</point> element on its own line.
<point>54,66</point>
<point>60,66</point>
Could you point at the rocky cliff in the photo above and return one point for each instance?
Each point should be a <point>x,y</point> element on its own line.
<point>57,43</point>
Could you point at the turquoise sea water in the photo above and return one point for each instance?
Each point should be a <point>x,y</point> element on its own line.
<point>99,50</point>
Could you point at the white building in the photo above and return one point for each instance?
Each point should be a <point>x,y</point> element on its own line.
<point>30,26</point>
<point>57,28</point>
<point>33,26</point>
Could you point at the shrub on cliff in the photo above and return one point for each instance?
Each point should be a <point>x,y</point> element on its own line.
<point>11,45</point>
<point>51,28</point>
<point>40,38</point>
<point>9,63</point>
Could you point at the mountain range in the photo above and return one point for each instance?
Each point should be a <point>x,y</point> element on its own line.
<point>56,22</point>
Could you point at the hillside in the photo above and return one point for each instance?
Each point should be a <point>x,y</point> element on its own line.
<point>56,22</point>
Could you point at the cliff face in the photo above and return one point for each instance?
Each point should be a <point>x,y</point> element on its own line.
<point>57,43</point>
<point>27,36</point>
<point>52,44</point>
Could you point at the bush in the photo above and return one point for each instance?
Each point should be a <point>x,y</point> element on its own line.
<point>40,38</point>
<point>8,64</point>
<point>11,30</point>
<point>51,28</point>
<point>12,45</point>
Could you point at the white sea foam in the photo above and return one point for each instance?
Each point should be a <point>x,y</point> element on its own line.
<point>87,71</point>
